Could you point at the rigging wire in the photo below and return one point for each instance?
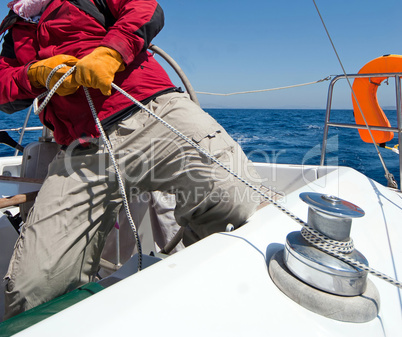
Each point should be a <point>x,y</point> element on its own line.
<point>390,178</point>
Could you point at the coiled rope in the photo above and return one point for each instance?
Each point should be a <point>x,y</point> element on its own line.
<point>317,239</point>
<point>332,247</point>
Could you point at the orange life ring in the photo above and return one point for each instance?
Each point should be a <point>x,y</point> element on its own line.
<point>365,90</point>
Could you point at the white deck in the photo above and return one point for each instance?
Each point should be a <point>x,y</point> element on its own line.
<point>221,286</point>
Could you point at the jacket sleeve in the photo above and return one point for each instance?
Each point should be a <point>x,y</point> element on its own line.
<point>16,92</point>
<point>137,23</point>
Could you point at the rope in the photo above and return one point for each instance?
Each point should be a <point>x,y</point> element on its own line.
<point>337,249</point>
<point>394,149</point>
<point>109,148</point>
<point>48,94</point>
<point>318,239</point>
<point>264,90</point>
<point>337,253</point>
<point>118,175</point>
<point>332,247</point>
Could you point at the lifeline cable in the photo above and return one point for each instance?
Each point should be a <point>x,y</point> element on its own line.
<point>388,175</point>
<point>264,90</point>
<point>319,240</point>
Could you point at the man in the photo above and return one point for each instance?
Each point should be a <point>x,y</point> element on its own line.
<point>60,244</point>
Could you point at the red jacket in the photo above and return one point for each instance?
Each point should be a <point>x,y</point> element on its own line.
<point>65,29</point>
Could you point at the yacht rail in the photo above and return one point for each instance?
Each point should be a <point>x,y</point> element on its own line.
<point>397,129</point>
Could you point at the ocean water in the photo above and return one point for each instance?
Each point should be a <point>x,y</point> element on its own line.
<point>295,136</point>
<point>279,136</point>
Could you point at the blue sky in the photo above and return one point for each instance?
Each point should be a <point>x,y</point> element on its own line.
<point>229,46</point>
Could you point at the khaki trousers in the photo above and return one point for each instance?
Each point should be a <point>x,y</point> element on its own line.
<point>61,242</point>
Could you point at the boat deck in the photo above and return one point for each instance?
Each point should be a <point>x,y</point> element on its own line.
<point>225,276</point>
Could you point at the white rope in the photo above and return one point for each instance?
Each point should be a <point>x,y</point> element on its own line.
<point>339,252</point>
<point>318,239</point>
<point>105,140</point>
<point>323,243</point>
<point>118,175</point>
<point>263,90</point>
<point>329,246</point>
<point>54,70</point>
<point>48,94</point>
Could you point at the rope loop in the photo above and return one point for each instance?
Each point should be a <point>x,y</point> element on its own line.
<point>319,240</point>
<point>54,70</point>
<point>49,94</point>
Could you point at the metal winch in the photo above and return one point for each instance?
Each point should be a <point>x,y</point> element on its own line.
<point>332,217</point>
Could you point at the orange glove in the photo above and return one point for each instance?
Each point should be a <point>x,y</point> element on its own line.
<point>97,69</point>
<point>39,72</point>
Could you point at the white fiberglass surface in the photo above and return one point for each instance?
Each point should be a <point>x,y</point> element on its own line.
<point>221,285</point>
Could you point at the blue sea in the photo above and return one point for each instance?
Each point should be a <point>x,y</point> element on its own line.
<point>282,136</point>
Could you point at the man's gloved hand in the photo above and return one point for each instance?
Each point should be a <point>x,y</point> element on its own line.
<point>39,71</point>
<point>97,69</point>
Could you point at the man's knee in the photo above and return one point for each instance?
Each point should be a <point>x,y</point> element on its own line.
<point>232,204</point>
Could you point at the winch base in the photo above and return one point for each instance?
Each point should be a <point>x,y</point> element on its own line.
<point>354,309</point>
